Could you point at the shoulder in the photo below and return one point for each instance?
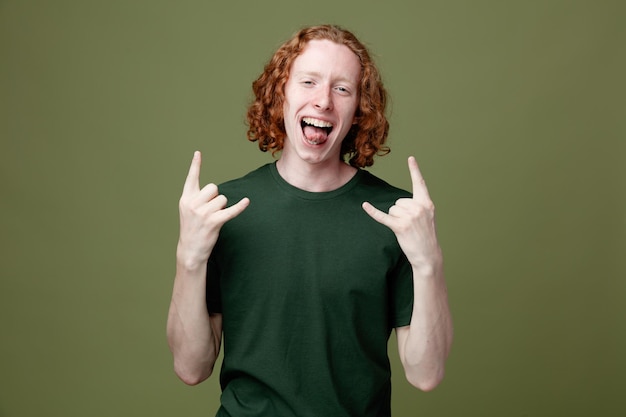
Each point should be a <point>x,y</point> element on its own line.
<point>243,186</point>
<point>377,188</point>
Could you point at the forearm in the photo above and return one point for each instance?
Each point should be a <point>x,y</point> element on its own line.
<point>425,344</point>
<point>192,334</point>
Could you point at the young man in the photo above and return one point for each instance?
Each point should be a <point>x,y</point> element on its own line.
<point>306,275</point>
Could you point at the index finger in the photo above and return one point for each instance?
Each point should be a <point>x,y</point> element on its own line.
<point>192,182</point>
<point>417,180</point>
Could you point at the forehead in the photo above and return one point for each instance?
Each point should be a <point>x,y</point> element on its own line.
<point>328,58</point>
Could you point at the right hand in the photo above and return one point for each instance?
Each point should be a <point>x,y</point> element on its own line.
<point>202,215</point>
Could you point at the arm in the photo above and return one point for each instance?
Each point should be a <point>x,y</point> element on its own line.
<point>193,335</point>
<point>424,345</point>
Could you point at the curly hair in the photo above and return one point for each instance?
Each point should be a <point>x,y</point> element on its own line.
<point>265,114</point>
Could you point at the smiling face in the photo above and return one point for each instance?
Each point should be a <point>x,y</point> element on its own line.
<point>321,99</point>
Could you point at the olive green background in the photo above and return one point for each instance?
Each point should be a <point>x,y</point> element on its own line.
<point>515,111</point>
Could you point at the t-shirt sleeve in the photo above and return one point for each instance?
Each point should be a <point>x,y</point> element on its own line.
<point>213,289</point>
<point>401,293</point>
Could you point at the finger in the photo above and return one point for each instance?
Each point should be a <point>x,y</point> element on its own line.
<point>417,180</point>
<point>193,176</point>
<point>216,204</point>
<point>208,193</point>
<point>380,216</point>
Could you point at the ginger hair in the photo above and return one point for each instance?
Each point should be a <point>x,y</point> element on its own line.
<point>265,114</point>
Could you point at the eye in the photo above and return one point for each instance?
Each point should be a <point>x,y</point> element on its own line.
<point>307,83</point>
<point>342,90</point>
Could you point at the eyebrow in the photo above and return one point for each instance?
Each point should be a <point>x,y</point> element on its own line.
<point>319,75</point>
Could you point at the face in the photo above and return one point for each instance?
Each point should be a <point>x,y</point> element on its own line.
<point>321,98</point>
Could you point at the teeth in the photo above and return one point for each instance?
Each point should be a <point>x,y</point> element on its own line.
<point>316,122</point>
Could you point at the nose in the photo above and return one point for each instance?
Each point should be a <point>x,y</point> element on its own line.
<point>323,99</point>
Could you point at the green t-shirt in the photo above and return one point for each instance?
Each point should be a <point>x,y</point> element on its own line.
<point>310,288</point>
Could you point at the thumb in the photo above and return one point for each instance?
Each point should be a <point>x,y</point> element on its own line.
<point>235,210</point>
<point>380,216</point>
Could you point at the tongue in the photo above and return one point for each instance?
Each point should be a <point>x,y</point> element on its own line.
<point>315,134</point>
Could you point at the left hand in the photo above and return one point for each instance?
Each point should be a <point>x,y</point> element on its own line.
<point>412,220</point>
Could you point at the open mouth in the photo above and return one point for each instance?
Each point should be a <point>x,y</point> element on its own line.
<point>315,131</point>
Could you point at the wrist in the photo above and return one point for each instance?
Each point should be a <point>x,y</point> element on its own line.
<point>190,260</point>
<point>428,267</point>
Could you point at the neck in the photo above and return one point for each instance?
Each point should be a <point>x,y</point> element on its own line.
<point>316,177</point>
